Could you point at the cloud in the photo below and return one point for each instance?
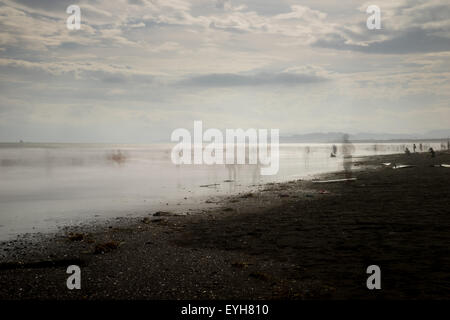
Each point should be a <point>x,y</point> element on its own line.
<point>260,79</point>
<point>411,41</point>
<point>48,5</point>
<point>223,4</point>
<point>407,27</point>
<point>144,58</point>
<point>77,70</point>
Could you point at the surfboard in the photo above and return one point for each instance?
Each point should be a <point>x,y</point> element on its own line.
<point>403,166</point>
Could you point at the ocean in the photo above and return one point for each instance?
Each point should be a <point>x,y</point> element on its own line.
<point>46,186</point>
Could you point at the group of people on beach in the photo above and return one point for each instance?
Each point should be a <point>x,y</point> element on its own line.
<point>430,149</point>
<point>348,150</point>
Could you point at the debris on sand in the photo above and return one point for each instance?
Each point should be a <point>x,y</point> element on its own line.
<point>146,220</point>
<point>240,265</point>
<point>102,248</point>
<point>162,214</point>
<point>75,236</point>
<point>209,185</point>
<point>41,264</point>
<point>247,195</point>
<point>259,275</point>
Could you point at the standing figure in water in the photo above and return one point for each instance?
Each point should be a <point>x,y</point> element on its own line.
<point>333,151</point>
<point>307,151</point>
<point>347,151</point>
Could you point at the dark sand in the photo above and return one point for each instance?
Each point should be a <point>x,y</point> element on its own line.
<point>287,241</point>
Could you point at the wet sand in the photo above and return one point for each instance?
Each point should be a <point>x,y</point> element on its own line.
<point>295,240</point>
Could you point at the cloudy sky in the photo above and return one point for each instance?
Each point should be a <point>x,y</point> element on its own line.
<point>138,69</point>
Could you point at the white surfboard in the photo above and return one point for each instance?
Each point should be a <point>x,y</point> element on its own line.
<point>403,166</point>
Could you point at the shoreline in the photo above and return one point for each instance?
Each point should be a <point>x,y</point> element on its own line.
<point>177,207</point>
<point>281,242</point>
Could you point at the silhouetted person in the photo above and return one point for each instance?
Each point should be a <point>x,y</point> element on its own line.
<point>333,151</point>
<point>414,148</point>
<point>307,151</point>
<point>347,151</point>
<point>433,154</point>
<point>407,151</point>
<point>420,147</point>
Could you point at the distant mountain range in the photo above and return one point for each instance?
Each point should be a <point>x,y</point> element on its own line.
<point>365,137</point>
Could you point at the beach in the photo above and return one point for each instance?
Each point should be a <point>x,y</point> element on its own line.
<point>294,240</point>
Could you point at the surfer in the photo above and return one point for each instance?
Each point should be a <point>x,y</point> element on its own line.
<point>414,148</point>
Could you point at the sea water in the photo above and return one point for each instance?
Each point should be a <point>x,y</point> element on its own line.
<point>45,186</point>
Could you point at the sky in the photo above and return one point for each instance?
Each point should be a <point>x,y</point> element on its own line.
<point>138,69</point>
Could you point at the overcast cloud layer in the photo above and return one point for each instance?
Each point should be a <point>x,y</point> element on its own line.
<point>138,69</point>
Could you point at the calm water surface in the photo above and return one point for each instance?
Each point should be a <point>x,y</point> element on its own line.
<point>43,186</point>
